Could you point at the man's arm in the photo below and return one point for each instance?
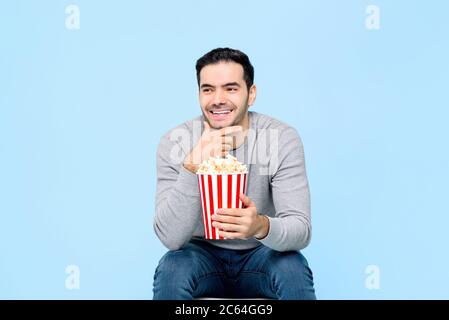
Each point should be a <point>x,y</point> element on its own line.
<point>291,228</point>
<point>178,206</point>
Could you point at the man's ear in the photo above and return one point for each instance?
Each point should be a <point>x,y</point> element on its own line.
<point>252,95</point>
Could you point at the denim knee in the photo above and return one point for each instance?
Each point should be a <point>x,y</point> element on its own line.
<point>177,263</point>
<point>174,276</point>
<point>290,261</point>
<point>292,278</point>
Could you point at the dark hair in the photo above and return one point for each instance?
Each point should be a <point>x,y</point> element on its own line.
<point>227,55</point>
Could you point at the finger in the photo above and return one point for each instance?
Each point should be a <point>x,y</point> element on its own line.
<point>226,218</point>
<point>218,140</point>
<point>237,141</point>
<point>227,140</point>
<point>231,212</point>
<point>224,154</point>
<point>234,141</point>
<point>225,150</point>
<point>247,202</point>
<point>234,130</point>
<point>231,130</point>
<point>228,227</point>
<point>226,147</point>
<point>216,149</point>
<point>230,235</point>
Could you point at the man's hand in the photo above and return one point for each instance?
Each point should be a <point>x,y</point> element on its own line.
<point>241,223</point>
<point>214,143</point>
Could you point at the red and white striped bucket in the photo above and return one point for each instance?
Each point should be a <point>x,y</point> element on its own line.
<point>219,191</point>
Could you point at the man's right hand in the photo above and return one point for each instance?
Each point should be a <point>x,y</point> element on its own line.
<point>214,143</point>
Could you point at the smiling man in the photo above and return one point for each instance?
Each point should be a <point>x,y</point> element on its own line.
<point>260,255</point>
<point>226,93</point>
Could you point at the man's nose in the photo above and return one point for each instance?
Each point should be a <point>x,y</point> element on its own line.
<point>219,97</point>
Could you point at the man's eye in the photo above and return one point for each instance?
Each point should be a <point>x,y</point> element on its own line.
<point>206,90</point>
<point>232,89</point>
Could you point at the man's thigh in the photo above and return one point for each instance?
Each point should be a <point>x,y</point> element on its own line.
<point>273,274</point>
<point>196,267</point>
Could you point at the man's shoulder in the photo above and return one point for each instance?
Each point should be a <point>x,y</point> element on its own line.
<point>263,121</point>
<point>184,128</point>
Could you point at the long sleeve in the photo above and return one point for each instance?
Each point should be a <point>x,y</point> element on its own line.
<point>290,229</point>
<point>178,206</point>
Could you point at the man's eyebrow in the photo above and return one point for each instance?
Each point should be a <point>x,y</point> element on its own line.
<point>231,84</point>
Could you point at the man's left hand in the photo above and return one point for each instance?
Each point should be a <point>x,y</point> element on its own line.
<point>241,223</point>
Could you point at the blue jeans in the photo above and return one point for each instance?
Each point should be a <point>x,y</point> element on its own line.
<point>200,269</point>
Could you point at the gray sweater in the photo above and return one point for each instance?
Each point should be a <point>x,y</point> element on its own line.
<point>277,183</point>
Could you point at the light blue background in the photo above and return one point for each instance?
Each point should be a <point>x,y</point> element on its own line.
<point>82,111</point>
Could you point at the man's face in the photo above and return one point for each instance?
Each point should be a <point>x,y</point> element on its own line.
<point>224,97</point>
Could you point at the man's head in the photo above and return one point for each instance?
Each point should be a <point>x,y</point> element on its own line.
<point>226,90</point>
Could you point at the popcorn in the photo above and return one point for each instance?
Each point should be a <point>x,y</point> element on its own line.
<point>217,165</point>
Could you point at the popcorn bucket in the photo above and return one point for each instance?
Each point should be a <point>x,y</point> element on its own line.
<point>219,191</point>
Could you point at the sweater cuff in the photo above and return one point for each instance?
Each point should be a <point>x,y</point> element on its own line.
<point>187,182</point>
<point>272,238</point>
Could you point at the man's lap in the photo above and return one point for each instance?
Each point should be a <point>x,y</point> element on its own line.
<point>221,272</point>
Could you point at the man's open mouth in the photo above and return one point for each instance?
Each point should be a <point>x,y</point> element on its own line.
<point>220,111</point>
<point>220,114</point>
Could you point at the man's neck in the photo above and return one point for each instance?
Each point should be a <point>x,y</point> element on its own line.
<point>245,125</point>
<point>245,122</point>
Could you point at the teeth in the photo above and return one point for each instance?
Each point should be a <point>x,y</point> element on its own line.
<point>221,112</point>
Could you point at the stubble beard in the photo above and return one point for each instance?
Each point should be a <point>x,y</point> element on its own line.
<point>239,118</point>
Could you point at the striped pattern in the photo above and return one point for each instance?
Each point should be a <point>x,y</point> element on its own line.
<point>219,191</point>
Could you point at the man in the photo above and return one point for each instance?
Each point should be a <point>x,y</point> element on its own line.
<point>259,256</point>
